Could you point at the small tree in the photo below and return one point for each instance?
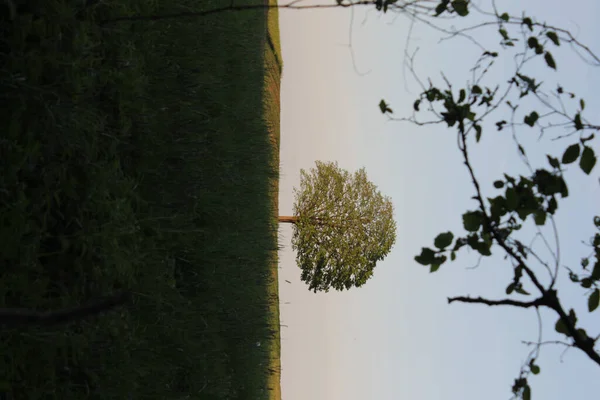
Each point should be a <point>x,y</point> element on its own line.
<point>342,226</point>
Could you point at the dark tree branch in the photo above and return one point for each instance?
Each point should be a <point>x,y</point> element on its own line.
<point>504,302</point>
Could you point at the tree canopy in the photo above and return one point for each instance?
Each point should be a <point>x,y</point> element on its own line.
<point>343,227</point>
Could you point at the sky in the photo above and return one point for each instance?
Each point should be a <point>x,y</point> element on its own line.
<point>397,337</point>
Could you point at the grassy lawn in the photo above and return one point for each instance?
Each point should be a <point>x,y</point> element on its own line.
<point>141,156</point>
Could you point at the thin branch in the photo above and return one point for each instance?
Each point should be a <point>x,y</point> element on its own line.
<point>505,302</point>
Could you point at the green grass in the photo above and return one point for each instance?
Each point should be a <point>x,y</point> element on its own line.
<point>140,156</point>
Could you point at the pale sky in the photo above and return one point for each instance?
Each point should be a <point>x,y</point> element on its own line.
<point>396,337</point>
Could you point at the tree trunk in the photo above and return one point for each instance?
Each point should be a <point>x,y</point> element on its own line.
<point>288,219</point>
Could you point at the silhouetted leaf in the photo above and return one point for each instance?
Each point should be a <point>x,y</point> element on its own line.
<point>416,105</point>
<point>526,392</point>
<point>498,184</point>
<point>596,271</point>
<point>554,37</point>
<point>441,7</point>
<point>510,288</point>
<point>503,33</point>
<point>520,290</point>
<point>594,300</point>
<point>426,257</point>
<point>532,42</point>
<point>382,106</point>
<point>478,131</point>
<point>462,95</point>
<point>512,199</point>
<point>588,160</point>
<point>539,217</point>
<point>534,369</point>
<point>461,7</point>
<point>527,21</point>
<point>504,17</point>
<point>472,220</point>
<point>582,104</point>
<point>443,240</point>
<point>560,327</point>
<point>532,118</point>
<point>571,154</point>
<point>550,60</point>
<point>476,89</point>
<point>553,161</point>
<point>577,122</point>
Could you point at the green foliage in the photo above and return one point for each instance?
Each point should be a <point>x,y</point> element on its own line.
<point>443,240</point>
<point>345,226</point>
<point>549,60</point>
<point>571,154</point>
<point>531,198</point>
<point>554,37</point>
<point>588,160</point>
<point>594,300</point>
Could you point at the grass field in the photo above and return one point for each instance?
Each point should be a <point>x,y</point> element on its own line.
<point>141,156</point>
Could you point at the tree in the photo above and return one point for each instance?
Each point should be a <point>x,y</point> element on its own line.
<point>496,222</point>
<point>342,227</point>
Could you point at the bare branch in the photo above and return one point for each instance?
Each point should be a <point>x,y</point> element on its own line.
<point>504,302</point>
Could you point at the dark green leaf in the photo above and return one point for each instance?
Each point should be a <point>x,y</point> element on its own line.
<point>504,17</point>
<point>594,300</point>
<point>498,184</point>
<point>532,42</point>
<point>416,105</point>
<point>577,122</point>
<point>539,49</point>
<point>561,327</point>
<point>478,131</point>
<point>462,95</point>
<point>554,37</point>
<point>441,7</point>
<point>520,290</point>
<point>588,160</point>
<point>571,154</point>
<point>510,288</point>
<point>472,220</point>
<point>512,199</point>
<point>476,90</point>
<point>526,392</point>
<point>453,256</point>
<point>584,263</point>
<point>550,60</point>
<point>527,21</point>
<point>461,7</point>
<point>539,217</point>
<point>596,271</point>
<point>443,240</point>
<point>582,104</point>
<point>586,283</point>
<point>532,118</point>
<point>553,161</point>
<point>534,369</point>
<point>383,106</point>
<point>552,206</point>
<point>426,257</point>
<point>503,33</point>
<point>574,278</point>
